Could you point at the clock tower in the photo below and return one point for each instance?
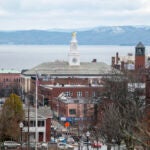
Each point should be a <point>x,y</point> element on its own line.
<point>139,56</point>
<point>74,55</point>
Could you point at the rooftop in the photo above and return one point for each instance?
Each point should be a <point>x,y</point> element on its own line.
<point>8,71</point>
<point>43,112</point>
<point>79,100</point>
<point>51,86</point>
<point>62,68</point>
<point>140,45</point>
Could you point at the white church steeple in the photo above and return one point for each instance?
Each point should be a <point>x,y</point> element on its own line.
<point>74,55</point>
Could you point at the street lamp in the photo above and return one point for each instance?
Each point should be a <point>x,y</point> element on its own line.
<point>21,127</point>
<point>87,135</point>
<point>54,133</point>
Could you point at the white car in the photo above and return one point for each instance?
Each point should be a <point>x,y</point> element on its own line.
<point>64,146</point>
<point>70,140</point>
<point>44,145</point>
<point>11,144</point>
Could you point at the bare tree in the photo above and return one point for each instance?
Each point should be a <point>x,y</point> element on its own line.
<point>109,126</point>
<point>126,92</point>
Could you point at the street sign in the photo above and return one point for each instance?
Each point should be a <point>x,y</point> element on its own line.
<point>67,124</point>
<point>63,118</point>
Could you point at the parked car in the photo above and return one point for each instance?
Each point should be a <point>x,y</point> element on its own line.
<point>70,140</point>
<point>95,144</point>
<point>63,146</point>
<point>11,144</point>
<point>53,140</point>
<point>62,139</point>
<point>44,145</point>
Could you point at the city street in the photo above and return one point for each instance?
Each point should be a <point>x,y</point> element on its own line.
<point>104,147</point>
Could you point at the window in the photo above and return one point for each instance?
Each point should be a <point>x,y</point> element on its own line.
<point>25,123</point>
<point>68,94</point>
<point>93,94</point>
<point>72,111</point>
<point>40,123</point>
<point>79,94</point>
<point>86,94</point>
<point>32,123</point>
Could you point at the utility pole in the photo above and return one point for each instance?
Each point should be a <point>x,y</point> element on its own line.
<point>36,121</point>
<point>28,125</point>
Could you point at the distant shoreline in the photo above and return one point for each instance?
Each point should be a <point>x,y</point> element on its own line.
<point>68,44</point>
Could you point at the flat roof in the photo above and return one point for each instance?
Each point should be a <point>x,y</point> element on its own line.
<point>51,86</point>
<point>79,100</point>
<point>9,71</point>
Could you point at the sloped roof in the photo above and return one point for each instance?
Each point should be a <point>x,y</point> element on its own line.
<point>140,45</point>
<point>43,112</point>
<point>63,68</point>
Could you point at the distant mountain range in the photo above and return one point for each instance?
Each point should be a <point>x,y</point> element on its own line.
<point>115,35</point>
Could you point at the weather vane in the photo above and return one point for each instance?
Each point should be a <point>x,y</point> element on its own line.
<point>74,34</point>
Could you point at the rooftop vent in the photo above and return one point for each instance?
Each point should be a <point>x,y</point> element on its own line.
<point>94,60</point>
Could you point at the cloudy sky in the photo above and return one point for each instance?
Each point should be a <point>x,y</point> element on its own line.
<point>72,14</point>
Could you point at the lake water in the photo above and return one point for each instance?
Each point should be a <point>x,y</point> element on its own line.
<point>27,56</point>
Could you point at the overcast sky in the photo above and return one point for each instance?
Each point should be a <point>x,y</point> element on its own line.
<point>72,14</point>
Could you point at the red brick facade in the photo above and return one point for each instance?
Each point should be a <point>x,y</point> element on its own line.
<point>48,129</point>
<point>139,62</point>
<point>9,79</point>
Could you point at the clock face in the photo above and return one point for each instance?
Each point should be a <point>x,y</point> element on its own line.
<point>74,46</point>
<point>74,60</point>
<point>139,51</point>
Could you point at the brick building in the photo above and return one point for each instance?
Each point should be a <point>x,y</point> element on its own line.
<point>74,78</point>
<point>132,62</point>
<point>9,81</point>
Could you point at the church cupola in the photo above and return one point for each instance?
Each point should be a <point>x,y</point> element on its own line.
<point>139,56</point>
<point>74,55</point>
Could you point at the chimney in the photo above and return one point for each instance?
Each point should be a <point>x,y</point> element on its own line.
<point>113,61</point>
<point>94,60</point>
<point>122,65</point>
<point>117,58</point>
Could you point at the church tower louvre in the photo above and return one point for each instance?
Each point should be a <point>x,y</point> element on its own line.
<point>139,56</point>
<point>74,55</point>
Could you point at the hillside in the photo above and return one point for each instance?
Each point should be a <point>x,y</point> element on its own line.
<point>115,35</point>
